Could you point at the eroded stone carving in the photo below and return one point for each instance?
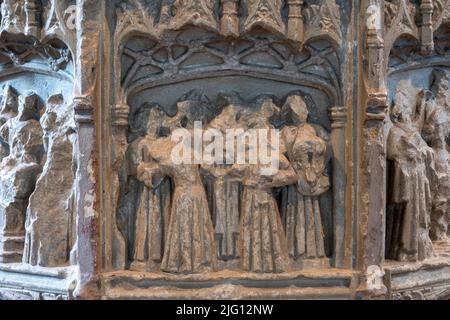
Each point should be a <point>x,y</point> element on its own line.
<point>9,109</point>
<point>323,17</point>
<point>263,242</point>
<point>229,24</point>
<point>13,16</point>
<point>436,131</point>
<point>19,172</point>
<point>308,151</point>
<point>412,170</point>
<point>244,230</point>
<point>190,245</point>
<point>266,14</point>
<point>399,12</point>
<point>254,64</point>
<point>196,12</point>
<point>418,148</point>
<point>224,191</point>
<point>50,224</point>
<point>153,205</point>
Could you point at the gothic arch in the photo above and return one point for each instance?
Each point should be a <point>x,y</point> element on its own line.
<point>155,66</point>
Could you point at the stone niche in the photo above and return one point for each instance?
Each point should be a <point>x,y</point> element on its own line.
<point>351,202</point>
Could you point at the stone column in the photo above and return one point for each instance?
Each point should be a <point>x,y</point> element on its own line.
<point>426,27</point>
<point>229,24</point>
<point>295,31</point>
<point>373,166</point>
<point>87,214</point>
<point>115,251</point>
<point>33,13</point>
<point>342,223</point>
<point>86,89</point>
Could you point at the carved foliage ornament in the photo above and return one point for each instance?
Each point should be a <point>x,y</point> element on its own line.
<point>231,17</point>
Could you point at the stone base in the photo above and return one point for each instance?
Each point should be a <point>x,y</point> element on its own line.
<point>427,280</point>
<point>323,284</point>
<point>24,282</point>
<point>11,249</point>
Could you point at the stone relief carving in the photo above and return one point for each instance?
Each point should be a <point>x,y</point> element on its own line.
<point>439,291</point>
<point>189,245</point>
<point>418,150</point>
<point>324,17</point>
<point>239,201</point>
<point>223,190</point>
<point>266,14</point>
<point>37,157</point>
<point>196,12</point>
<point>441,12</point>
<point>253,64</point>
<point>308,151</point>
<point>263,242</point>
<point>13,16</point>
<point>244,229</point>
<point>229,23</point>
<point>232,17</point>
<point>400,12</point>
<point>37,143</point>
<point>19,172</point>
<point>436,132</point>
<point>32,18</point>
<point>9,109</point>
<point>50,224</point>
<point>39,25</point>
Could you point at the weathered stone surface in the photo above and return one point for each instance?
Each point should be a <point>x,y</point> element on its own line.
<point>224,149</point>
<point>50,221</point>
<point>410,178</point>
<point>19,172</point>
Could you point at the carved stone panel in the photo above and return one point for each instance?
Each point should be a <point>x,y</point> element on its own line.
<point>176,78</point>
<point>192,149</point>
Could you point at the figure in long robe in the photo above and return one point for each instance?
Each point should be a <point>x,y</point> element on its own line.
<point>153,207</point>
<point>189,242</point>
<point>308,154</point>
<point>263,246</point>
<point>412,160</point>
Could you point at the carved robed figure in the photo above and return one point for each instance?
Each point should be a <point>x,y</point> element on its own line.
<point>18,174</point>
<point>307,150</point>
<point>189,243</point>
<point>412,168</point>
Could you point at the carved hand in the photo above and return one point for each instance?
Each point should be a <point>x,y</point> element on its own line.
<point>146,172</point>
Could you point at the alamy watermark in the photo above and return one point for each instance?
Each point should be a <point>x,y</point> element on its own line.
<point>259,147</point>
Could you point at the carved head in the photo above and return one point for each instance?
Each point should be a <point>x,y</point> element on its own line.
<point>194,106</point>
<point>48,120</point>
<point>268,108</point>
<point>436,127</point>
<point>9,103</point>
<point>405,102</point>
<point>295,108</point>
<point>28,106</point>
<point>157,123</point>
<point>439,82</point>
<point>373,18</point>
